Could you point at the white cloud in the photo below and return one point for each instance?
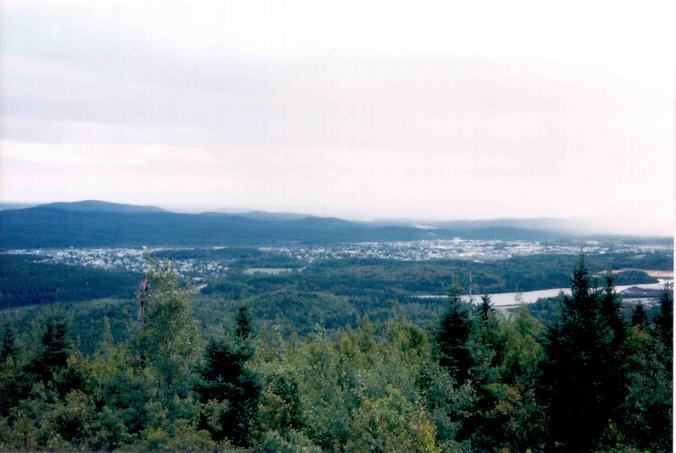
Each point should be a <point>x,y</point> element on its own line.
<point>481,109</point>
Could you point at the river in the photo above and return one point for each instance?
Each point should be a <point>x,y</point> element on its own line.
<point>528,297</point>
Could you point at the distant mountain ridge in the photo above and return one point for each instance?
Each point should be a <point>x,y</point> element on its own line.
<point>6,206</point>
<point>92,223</point>
<point>542,223</point>
<point>265,215</point>
<point>101,206</point>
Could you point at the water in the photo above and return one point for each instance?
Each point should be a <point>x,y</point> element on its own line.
<point>529,297</point>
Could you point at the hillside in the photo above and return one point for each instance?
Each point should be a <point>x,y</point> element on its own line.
<point>96,223</point>
<point>101,206</point>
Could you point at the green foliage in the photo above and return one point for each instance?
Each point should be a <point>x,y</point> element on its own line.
<point>225,377</point>
<point>391,423</point>
<point>647,409</point>
<point>383,279</point>
<point>23,281</point>
<point>293,442</point>
<point>453,337</point>
<point>479,381</point>
<point>664,323</point>
<point>169,340</point>
<point>55,349</point>
<point>580,385</point>
<point>639,317</point>
<point>9,346</point>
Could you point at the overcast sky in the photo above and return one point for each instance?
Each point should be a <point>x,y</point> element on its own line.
<point>356,109</point>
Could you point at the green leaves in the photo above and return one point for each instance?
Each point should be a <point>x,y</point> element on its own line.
<point>480,381</point>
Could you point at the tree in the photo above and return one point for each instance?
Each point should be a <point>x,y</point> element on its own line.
<point>486,308</point>
<point>56,348</point>
<point>9,346</point>
<point>14,384</point>
<point>611,314</point>
<point>453,336</point>
<point>228,383</point>
<point>243,326</point>
<point>639,317</point>
<point>575,386</point>
<point>647,409</point>
<point>614,363</point>
<point>517,416</point>
<point>391,424</point>
<point>664,322</point>
<point>168,339</point>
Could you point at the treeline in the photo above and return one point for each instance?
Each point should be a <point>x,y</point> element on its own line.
<point>383,280</point>
<point>586,381</point>
<point>23,281</point>
<point>35,227</point>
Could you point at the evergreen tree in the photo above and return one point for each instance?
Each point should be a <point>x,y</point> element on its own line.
<point>9,346</point>
<point>243,326</point>
<point>56,348</point>
<point>614,364</point>
<point>664,322</point>
<point>639,317</point>
<point>612,316</point>
<point>225,377</point>
<point>575,385</point>
<point>489,337</point>
<point>453,336</point>
<point>14,383</point>
<point>486,309</point>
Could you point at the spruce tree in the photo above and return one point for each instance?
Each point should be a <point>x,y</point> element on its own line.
<point>14,383</point>
<point>614,363</point>
<point>452,338</point>
<point>611,314</point>
<point>226,377</point>
<point>9,346</point>
<point>639,317</point>
<point>575,385</point>
<point>664,322</point>
<point>243,326</point>
<point>486,309</point>
<point>56,348</point>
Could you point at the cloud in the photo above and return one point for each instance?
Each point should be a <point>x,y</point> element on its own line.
<point>357,182</point>
<point>375,109</point>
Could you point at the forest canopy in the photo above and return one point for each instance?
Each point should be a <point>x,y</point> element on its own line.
<point>588,380</point>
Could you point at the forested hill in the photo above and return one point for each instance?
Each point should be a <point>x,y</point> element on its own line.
<point>101,206</point>
<point>93,223</point>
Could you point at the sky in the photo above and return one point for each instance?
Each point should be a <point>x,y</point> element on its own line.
<point>363,110</point>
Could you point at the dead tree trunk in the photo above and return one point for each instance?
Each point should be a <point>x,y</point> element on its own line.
<point>141,293</point>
